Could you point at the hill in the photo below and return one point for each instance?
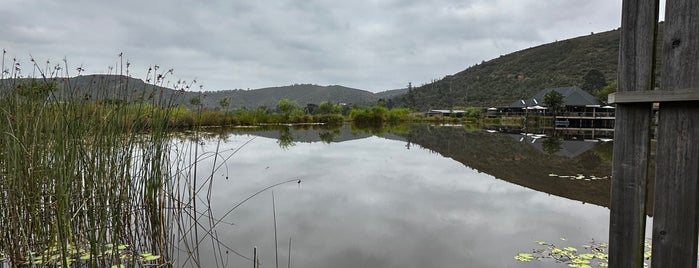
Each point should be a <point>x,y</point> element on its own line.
<point>301,94</point>
<point>388,94</point>
<point>589,62</point>
<point>116,87</point>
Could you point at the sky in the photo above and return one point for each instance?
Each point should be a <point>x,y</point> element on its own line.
<point>374,45</point>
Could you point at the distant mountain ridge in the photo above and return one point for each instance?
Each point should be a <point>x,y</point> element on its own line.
<point>117,87</point>
<point>301,94</point>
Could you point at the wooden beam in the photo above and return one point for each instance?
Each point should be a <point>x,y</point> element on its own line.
<point>654,96</point>
<point>632,135</point>
<point>675,222</point>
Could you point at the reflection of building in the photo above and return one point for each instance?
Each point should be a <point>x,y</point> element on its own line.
<point>566,148</point>
<point>580,109</point>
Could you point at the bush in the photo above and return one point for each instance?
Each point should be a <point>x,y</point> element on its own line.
<point>330,119</point>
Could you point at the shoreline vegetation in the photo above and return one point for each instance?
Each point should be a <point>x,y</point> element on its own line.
<point>179,117</point>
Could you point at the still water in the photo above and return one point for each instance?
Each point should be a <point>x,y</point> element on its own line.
<point>422,196</point>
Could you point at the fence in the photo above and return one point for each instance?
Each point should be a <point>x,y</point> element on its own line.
<point>676,196</point>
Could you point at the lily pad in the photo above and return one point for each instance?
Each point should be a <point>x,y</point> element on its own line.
<point>149,257</point>
<point>524,257</point>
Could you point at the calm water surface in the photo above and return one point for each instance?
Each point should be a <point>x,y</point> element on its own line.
<point>425,198</point>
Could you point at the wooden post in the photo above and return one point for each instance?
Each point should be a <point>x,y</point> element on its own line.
<point>676,186</point>
<point>632,135</point>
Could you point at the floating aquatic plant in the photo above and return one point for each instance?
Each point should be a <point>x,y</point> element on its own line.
<point>595,254</point>
<point>111,254</point>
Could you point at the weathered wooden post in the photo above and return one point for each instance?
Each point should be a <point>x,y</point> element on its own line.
<point>632,135</point>
<point>676,215</point>
<point>676,181</point>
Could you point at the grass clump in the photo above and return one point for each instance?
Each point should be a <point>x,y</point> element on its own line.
<point>90,183</point>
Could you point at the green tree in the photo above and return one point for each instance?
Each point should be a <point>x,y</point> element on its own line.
<point>327,107</point>
<point>286,108</point>
<point>603,94</point>
<point>411,98</point>
<point>473,112</point>
<point>196,101</point>
<point>390,104</point>
<point>224,103</point>
<point>311,108</point>
<point>554,100</point>
<point>593,81</point>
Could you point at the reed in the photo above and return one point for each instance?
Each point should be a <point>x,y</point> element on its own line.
<point>92,183</point>
<point>105,181</point>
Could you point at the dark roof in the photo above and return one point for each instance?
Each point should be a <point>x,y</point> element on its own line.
<point>572,96</point>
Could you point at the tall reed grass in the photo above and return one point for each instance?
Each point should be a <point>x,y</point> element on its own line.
<point>94,183</point>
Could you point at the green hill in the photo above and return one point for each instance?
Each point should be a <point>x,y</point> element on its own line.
<point>116,87</point>
<point>589,62</point>
<point>301,94</point>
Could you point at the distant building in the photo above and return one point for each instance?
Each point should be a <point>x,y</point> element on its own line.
<point>580,109</point>
<point>572,97</point>
<point>457,113</point>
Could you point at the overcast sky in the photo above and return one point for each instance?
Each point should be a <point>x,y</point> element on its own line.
<point>374,45</point>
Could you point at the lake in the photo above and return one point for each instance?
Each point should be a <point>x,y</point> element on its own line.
<point>415,196</point>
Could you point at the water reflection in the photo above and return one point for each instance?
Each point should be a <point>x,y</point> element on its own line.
<point>542,163</point>
<point>452,199</point>
<point>285,139</point>
<point>552,145</point>
<point>572,168</point>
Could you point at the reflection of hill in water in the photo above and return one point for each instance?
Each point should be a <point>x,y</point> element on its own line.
<point>524,163</point>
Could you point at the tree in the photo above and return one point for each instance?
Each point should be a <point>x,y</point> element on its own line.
<point>311,108</point>
<point>410,96</point>
<point>473,112</point>
<point>327,107</point>
<point>593,81</point>
<point>554,100</point>
<point>390,104</point>
<point>196,101</point>
<point>603,94</point>
<point>286,107</point>
<point>224,103</point>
